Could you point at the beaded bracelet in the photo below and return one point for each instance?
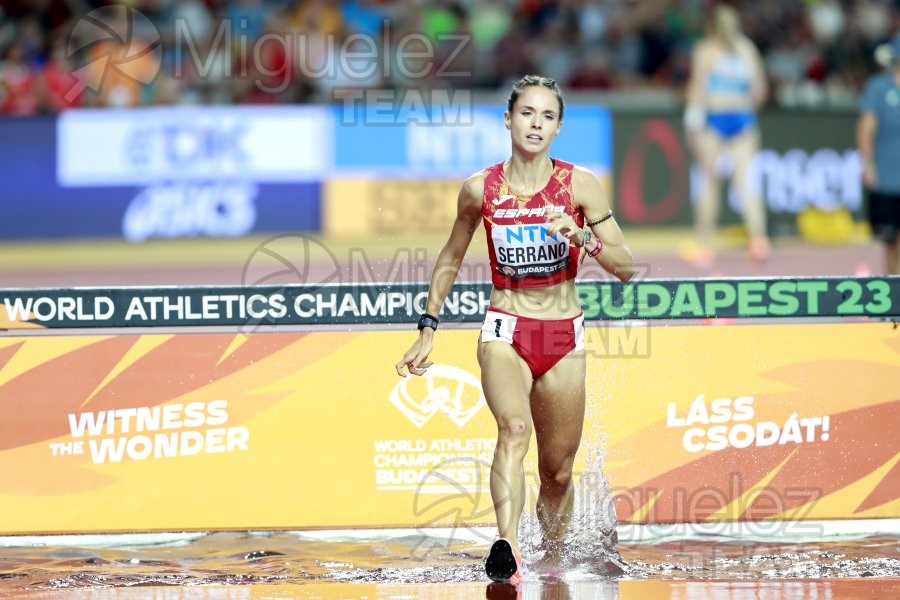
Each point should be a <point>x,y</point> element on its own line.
<point>601,219</point>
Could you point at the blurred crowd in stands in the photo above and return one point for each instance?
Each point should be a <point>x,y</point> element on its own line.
<point>59,53</point>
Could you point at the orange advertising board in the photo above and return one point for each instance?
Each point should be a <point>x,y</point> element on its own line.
<point>205,431</point>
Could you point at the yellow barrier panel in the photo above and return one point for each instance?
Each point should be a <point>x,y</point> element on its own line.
<point>375,206</point>
<point>285,430</point>
<point>354,207</point>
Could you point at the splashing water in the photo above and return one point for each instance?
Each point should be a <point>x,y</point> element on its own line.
<point>392,558</point>
<point>590,549</point>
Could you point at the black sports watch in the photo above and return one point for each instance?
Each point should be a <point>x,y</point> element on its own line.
<point>427,320</point>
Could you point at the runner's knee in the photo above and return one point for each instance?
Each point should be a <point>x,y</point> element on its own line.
<point>557,477</point>
<point>515,433</point>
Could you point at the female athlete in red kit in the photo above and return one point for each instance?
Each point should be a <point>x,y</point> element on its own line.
<point>540,214</point>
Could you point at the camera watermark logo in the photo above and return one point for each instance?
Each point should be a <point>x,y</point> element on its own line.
<point>375,78</point>
<point>289,259</point>
<point>465,501</point>
<point>123,50</point>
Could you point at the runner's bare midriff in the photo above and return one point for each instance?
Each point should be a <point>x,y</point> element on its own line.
<point>559,301</point>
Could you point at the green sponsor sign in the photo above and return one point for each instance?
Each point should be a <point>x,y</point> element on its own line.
<point>741,298</point>
<point>347,304</point>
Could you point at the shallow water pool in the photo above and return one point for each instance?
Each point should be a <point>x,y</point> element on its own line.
<point>423,563</point>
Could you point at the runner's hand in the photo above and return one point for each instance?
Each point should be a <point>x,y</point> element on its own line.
<point>870,176</point>
<point>563,223</point>
<point>416,358</point>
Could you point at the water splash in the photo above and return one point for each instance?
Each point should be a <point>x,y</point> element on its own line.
<point>379,557</point>
<point>590,548</point>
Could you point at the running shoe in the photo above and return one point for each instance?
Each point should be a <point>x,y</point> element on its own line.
<point>759,249</point>
<point>503,563</point>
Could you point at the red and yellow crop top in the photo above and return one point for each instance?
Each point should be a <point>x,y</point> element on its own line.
<point>521,253</point>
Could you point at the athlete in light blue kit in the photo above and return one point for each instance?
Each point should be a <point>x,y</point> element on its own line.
<point>726,87</point>
<point>878,140</point>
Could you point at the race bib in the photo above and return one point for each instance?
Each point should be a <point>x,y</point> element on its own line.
<point>527,250</point>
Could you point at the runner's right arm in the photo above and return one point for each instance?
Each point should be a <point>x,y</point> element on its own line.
<point>446,268</point>
<point>468,217</point>
<point>695,110</point>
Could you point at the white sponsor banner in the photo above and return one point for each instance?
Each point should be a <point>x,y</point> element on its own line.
<point>791,181</point>
<point>145,146</point>
<point>467,148</point>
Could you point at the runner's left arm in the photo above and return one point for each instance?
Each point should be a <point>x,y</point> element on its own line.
<point>615,256</point>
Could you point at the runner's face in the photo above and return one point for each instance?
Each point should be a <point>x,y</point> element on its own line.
<point>534,120</point>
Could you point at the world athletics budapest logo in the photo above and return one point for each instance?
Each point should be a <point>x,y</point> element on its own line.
<point>122,48</point>
<point>450,390</point>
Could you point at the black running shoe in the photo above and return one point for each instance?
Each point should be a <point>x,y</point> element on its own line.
<point>503,563</point>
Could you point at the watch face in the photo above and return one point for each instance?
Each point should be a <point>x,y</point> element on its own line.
<point>427,322</point>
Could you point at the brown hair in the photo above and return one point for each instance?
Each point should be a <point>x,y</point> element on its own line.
<point>726,23</point>
<point>535,81</point>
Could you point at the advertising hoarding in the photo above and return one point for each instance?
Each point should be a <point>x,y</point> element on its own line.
<point>172,431</point>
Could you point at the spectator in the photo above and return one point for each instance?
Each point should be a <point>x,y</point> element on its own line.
<point>57,84</point>
<point>594,72</point>
<point>816,51</point>
<point>878,141</point>
<point>18,84</point>
<point>727,85</point>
